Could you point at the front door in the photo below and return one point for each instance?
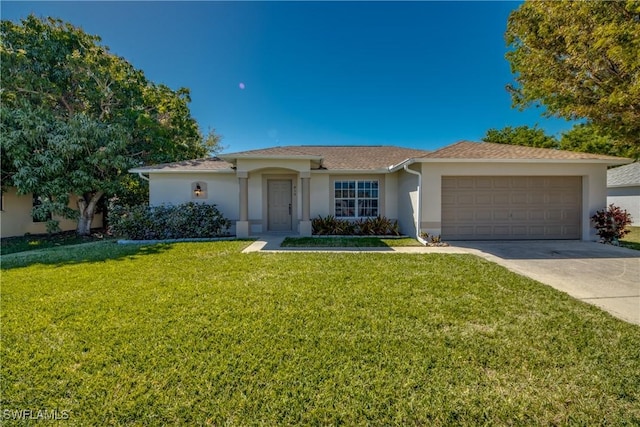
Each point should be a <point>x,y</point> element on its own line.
<point>279,209</point>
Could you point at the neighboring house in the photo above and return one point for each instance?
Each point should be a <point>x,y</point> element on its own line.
<point>623,189</point>
<point>16,219</point>
<point>463,191</point>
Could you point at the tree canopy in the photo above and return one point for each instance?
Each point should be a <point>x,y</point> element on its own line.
<point>585,137</point>
<point>521,135</point>
<point>75,117</point>
<point>579,59</point>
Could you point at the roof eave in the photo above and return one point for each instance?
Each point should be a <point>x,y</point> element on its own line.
<point>608,162</point>
<point>231,157</point>
<point>351,171</point>
<point>140,170</point>
<point>402,164</point>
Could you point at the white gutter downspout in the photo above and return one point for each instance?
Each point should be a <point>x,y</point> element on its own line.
<point>411,171</point>
<point>142,176</point>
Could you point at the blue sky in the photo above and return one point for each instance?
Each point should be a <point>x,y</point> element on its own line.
<point>413,74</point>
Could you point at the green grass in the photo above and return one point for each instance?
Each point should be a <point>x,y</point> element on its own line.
<point>632,240</point>
<point>198,333</point>
<point>10,245</point>
<point>347,242</point>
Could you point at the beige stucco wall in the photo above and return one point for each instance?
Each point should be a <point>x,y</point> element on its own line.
<point>407,191</point>
<point>594,177</point>
<point>16,220</point>
<point>320,195</point>
<point>175,189</point>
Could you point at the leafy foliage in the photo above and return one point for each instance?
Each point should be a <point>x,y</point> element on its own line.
<point>189,220</point>
<point>521,135</point>
<point>375,226</point>
<point>75,117</point>
<point>589,138</point>
<point>611,224</point>
<point>584,137</point>
<point>580,60</point>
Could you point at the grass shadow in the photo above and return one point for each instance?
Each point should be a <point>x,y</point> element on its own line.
<point>82,253</point>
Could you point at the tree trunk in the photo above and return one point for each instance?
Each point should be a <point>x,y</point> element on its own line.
<point>87,210</point>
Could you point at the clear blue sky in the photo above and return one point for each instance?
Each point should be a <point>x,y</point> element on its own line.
<point>413,74</point>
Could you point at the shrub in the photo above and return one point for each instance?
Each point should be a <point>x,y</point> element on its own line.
<point>189,220</point>
<point>611,224</point>
<point>375,226</point>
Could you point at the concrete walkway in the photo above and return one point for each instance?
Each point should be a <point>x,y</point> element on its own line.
<point>602,275</point>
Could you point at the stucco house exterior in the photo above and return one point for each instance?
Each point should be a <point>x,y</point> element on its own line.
<point>16,219</point>
<point>623,189</point>
<point>465,191</point>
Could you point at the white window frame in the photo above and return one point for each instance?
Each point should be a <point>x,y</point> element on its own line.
<point>359,197</point>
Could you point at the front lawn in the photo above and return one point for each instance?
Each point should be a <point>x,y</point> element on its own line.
<point>632,240</point>
<point>200,334</point>
<point>31,242</point>
<point>347,242</point>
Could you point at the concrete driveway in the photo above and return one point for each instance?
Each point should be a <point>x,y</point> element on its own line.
<point>602,275</point>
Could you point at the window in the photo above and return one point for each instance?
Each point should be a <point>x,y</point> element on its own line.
<point>37,216</point>
<point>356,199</point>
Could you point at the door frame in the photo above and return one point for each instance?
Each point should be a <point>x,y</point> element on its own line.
<point>265,200</point>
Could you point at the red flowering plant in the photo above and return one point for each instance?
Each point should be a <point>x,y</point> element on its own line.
<point>611,224</point>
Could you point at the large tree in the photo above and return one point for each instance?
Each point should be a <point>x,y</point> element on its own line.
<point>76,117</point>
<point>584,137</point>
<point>579,59</point>
<point>521,135</point>
<point>588,138</point>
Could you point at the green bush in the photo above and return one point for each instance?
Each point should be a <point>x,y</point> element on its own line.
<point>189,220</point>
<point>375,226</point>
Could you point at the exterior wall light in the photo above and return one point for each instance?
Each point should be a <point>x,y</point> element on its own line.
<point>198,190</point>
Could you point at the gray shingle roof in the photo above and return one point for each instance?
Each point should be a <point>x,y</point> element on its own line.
<point>624,176</point>
<point>356,158</point>
<point>489,150</point>
<point>341,157</point>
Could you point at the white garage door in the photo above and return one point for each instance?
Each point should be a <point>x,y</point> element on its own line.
<point>511,207</point>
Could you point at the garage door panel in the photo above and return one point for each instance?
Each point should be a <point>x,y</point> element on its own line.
<point>536,215</point>
<point>572,215</point>
<point>572,230</point>
<point>522,207</point>
<point>484,215</point>
<point>536,198</point>
<point>519,215</point>
<point>466,199</point>
<point>484,199</point>
<point>501,215</point>
<point>481,183</point>
<point>501,198</point>
<point>556,199</point>
<point>555,215</point>
<point>572,199</point>
<point>466,183</point>
<point>519,198</point>
<point>465,215</point>
<point>520,230</point>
